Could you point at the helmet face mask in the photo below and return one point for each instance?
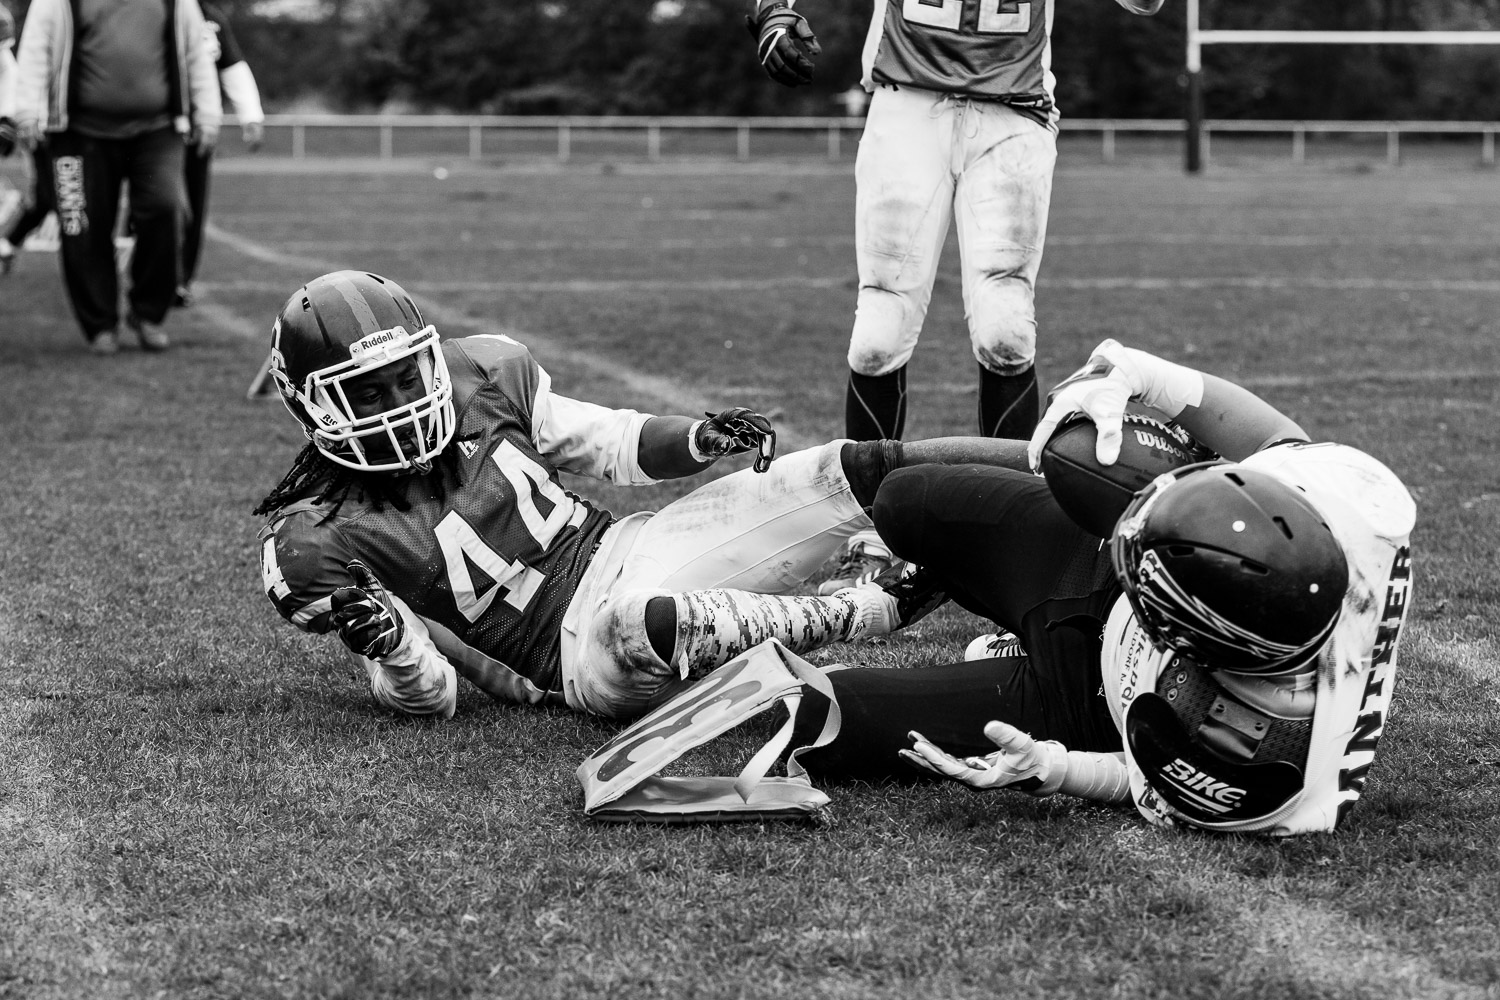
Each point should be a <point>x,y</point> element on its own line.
<point>336,334</point>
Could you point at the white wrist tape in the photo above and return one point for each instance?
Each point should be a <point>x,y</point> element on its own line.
<point>698,456</point>
<point>1160,384</point>
<point>1103,777</point>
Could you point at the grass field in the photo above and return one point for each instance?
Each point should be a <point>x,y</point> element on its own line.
<point>198,801</point>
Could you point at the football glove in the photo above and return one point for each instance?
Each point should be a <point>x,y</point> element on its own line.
<point>1114,375</point>
<point>10,136</point>
<point>784,43</point>
<point>737,430</point>
<point>1021,762</point>
<point>364,617</point>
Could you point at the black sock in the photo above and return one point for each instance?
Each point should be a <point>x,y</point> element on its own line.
<point>875,405</point>
<point>661,627</point>
<point>1008,404</point>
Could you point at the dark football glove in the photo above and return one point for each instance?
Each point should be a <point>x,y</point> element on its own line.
<point>9,136</point>
<point>365,620</point>
<point>784,43</point>
<point>737,430</point>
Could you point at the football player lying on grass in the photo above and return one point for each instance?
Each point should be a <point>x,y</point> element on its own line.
<point>425,523</point>
<point>1225,660</point>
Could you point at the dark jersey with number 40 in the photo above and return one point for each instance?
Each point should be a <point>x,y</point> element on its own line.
<point>489,553</point>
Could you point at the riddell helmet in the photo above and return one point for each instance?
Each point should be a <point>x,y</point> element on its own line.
<point>341,326</point>
<point>1231,567</point>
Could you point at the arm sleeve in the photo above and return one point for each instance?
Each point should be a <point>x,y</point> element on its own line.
<point>7,82</point>
<point>588,439</point>
<point>34,62</point>
<point>416,678</point>
<point>207,104</point>
<point>244,97</point>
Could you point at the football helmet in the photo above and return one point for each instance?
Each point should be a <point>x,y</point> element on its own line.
<point>1231,567</point>
<point>344,325</point>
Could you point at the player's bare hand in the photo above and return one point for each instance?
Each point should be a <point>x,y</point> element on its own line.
<point>735,431</point>
<point>1020,760</point>
<point>253,134</point>
<point>784,43</point>
<point>364,617</point>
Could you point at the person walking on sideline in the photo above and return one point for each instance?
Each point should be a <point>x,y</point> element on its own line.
<point>117,87</point>
<point>238,85</point>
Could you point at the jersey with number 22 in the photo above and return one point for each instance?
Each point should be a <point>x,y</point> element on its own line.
<point>991,49</point>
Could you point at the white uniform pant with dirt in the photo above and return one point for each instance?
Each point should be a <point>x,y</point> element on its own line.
<point>766,533</point>
<point>927,160</point>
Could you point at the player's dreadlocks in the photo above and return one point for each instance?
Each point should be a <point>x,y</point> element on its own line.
<point>311,468</point>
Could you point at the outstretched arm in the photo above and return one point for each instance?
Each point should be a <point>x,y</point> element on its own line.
<point>673,447</point>
<point>1228,418</point>
<point>1037,768</point>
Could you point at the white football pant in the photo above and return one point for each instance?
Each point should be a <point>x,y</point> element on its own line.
<point>925,160</point>
<point>766,533</point>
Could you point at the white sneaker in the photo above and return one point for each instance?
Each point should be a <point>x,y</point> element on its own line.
<point>863,559</point>
<point>993,644</point>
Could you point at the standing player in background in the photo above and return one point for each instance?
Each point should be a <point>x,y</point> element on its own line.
<point>8,135</point>
<point>243,98</point>
<point>962,126</point>
<point>1226,661</point>
<point>425,522</point>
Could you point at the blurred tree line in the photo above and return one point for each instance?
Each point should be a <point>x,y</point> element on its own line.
<point>662,57</point>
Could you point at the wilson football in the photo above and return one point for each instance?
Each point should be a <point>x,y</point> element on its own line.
<point>1095,495</point>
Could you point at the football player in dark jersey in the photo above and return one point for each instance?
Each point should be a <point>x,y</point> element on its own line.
<point>426,524</point>
<point>1225,661</point>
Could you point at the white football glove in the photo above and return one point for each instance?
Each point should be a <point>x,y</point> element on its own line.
<point>1114,375</point>
<point>1019,760</point>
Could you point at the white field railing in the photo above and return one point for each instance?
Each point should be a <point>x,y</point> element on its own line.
<point>561,137</point>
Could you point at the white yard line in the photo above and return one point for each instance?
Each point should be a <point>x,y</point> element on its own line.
<point>667,395</point>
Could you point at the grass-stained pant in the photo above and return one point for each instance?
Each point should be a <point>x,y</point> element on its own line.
<point>928,160</point>
<point>766,533</point>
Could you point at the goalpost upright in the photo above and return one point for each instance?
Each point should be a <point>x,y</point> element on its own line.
<point>1197,38</point>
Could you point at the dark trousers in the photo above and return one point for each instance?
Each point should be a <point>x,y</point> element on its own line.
<point>198,165</point>
<point>88,173</point>
<point>1005,551</point>
<point>42,197</point>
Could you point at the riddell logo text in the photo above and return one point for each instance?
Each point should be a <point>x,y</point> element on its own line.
<point>1188,777</point>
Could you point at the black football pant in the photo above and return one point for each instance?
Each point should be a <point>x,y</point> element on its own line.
<point>42,197</point>
<point>1004,551</point>
<point>196,177</point>
<point>88,173</point>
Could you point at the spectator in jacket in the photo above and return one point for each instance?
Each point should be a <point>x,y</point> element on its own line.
<point>115,88</point>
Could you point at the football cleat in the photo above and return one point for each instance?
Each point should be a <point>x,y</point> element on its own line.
<point>992,645</point>
<point>914,593</point>
<point>862,560</point>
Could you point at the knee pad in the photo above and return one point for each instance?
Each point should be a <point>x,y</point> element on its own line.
<point>866,464</point>
<point>619,629</point>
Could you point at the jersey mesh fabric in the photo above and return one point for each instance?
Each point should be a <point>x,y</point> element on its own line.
<point>463,517</point>
<point>973,56</point>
